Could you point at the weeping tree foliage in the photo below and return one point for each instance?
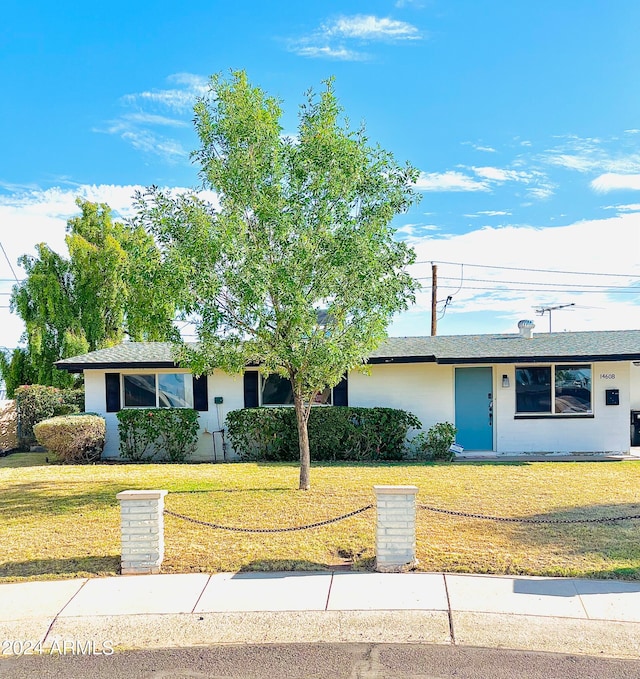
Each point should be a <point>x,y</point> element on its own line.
<point>15,369</point>
<point>90,300</point>
<point>296,269</point>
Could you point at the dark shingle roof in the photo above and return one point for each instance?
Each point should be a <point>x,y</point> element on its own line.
<point>603,345</point>
<point>614,345</point>
<point>125,355</point>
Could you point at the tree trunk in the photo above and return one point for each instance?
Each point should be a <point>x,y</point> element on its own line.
<point>302,418</point>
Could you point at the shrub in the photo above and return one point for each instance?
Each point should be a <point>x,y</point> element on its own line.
<point>169,434</point>
<point>336,433</point>
<point>436,443</point>
<point>37,402</point>
<point>74,439</point>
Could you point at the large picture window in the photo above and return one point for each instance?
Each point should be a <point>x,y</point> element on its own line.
<point>554,390</point>
<point>161,390</point>
<point>277,391</point>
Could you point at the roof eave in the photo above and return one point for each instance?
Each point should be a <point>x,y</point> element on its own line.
<point>114,365</point>
<point>554,358</point>
<point>401,359</point>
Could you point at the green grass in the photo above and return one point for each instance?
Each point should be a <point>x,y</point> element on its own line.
<point>63,521</point>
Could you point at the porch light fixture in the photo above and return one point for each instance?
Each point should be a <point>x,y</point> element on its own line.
<point>505,381</point>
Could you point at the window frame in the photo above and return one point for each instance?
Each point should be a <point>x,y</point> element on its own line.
<point>156,376</point>
<point>553,368</point>
<point>261,380</point>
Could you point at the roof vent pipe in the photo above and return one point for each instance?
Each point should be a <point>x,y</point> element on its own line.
<point>526,328</point>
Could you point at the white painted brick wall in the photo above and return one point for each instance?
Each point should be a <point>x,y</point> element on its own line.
<point>395,528</point>
<point>141,530</point>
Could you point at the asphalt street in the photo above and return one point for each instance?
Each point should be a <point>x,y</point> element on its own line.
<point>321,661</point>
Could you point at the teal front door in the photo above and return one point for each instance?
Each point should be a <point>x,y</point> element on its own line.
<point>474,408</point>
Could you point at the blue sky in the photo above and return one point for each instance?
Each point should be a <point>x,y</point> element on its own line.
<point>522,117</point>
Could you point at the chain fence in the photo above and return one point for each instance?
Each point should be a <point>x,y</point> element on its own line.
<point>510,519</point>
<point>429,508</point>
<point>289,529</point>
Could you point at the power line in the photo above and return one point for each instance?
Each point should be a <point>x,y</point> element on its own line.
<point>9,262</point>
<point>502,282</point>
<point>519,268</point>
<point>563,290</point>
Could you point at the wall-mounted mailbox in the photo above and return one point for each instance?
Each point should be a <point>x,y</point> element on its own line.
<point>612,397</point>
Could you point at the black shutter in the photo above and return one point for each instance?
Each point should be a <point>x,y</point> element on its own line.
<point>200,393</point>
<point>112,391</point>
<point>251,389</point>
<point>341,393</point>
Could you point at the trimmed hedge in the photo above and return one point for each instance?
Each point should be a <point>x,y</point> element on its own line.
<point>74,439</point>
<point>37,402</point>
<point>335,433</point>
<point>166,434</point>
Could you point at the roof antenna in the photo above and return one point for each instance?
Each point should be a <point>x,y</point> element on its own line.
<point>542,310</point>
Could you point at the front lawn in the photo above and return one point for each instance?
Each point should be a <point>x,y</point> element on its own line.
<point>63,521</point>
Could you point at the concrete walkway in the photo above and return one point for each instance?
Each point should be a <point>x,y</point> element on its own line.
<point>164,611</point>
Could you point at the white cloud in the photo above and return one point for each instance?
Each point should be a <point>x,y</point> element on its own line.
<point>500,175</point>
<point>416,229</point>
<point>33,216</point>
<point>448,181</point>
<point>181,98</point>
<point>138,127</point>
<point>600,246</point>
<point>540,192</point>
<point>333,39</point>
<point>591,154</point>
<point>369,27</point>
<point>631,207</point>
<point>153,119</point>
<point>573,162</point>
<point>612,181</point>
<point>147,141</point>
<point>327,52</point>
<point>485,149</point>
<point>494,213</point>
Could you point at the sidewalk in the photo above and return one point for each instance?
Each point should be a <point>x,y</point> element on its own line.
<point>163,611</point>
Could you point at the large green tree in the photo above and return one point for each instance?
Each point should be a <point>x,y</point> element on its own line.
<point>90,300</point>
<point>296,269</point>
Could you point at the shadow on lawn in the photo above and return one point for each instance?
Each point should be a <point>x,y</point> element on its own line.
<point>73,566</point>
<point>615,542</point>
<point>291,565</point>
<point>230,490</point>
<point>49,498</point>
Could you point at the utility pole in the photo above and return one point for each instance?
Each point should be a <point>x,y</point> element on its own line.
<point>434,297</point>
<point>542,310</point>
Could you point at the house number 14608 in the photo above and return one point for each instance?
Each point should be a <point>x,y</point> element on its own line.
<point>607,376</point>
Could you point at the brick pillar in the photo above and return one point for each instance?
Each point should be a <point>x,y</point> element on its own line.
<point>142,530</point>
<point>395,528</point>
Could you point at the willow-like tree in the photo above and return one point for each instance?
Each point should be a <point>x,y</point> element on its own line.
<point>90,300</point>
<point>296,269</point>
